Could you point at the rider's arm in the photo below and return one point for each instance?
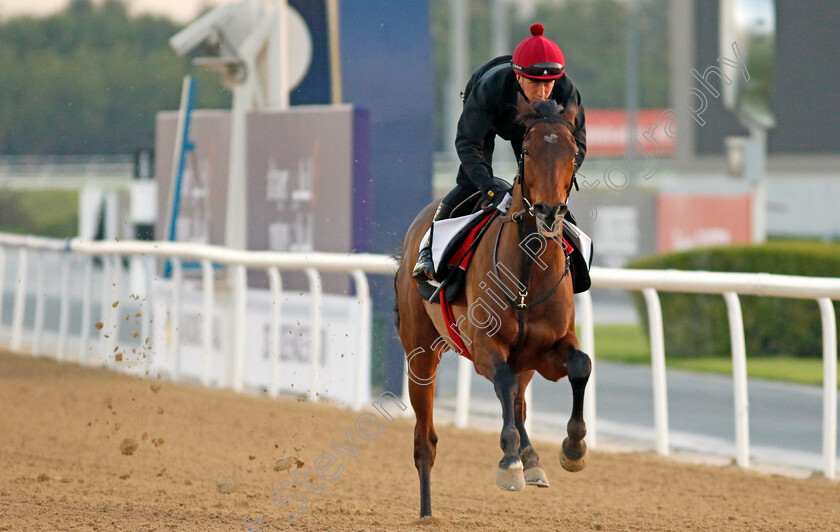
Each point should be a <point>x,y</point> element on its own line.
<point>474,125</point>
<point>569,94</point>
<point>580,132</point>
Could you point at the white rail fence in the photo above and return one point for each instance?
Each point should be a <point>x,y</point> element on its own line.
<point>33,253</point>
<point>649,282</point>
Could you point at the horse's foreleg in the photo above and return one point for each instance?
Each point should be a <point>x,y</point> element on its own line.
<point>534,474</point>
<point>509,475</point>
<point>573,455</point>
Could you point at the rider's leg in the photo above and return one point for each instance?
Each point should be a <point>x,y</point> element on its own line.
<point>425,268</point>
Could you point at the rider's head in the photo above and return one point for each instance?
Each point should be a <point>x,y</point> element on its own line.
<point>537,61</point>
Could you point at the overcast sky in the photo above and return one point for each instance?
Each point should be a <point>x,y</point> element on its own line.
<point>181,10</point>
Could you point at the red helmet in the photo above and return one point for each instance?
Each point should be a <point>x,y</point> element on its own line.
<point>537,57</point>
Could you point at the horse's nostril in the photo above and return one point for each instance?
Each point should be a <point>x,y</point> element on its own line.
<point>542,209</point>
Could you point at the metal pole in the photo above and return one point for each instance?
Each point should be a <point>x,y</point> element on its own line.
<point>103,310</point>
<point>335,51</point>
<point>362,394</point>
<point>406,397</point>
<point>61,351</point>
<point>462,403</point>
<point>316,293</point>
<point>631,75</point>
<point>175,317</point>
<point>529,405</point>
<point>739,376</point>
<point>501,35</point>
<point>2,281</point>
<point>459,51</point>
<point>583,308</point>
<point>113,323</point>
<point>275,283</point>
<point>240,317</point>
<point>208,297</point>
<point>20,299</point>
<point>147,266</point>
<point>829,331</point>
<point>657,358</point>
<point>84,350</point>
<point>38,328</point>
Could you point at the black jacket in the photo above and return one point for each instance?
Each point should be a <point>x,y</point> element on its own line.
<point>490,110</point>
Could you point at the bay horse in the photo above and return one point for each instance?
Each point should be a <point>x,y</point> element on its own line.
<point>531,315</point>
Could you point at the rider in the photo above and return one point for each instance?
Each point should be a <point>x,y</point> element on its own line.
<point>536,71</point>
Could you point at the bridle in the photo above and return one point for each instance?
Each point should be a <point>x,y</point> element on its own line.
<point>524,231</point>
<point>520,174</point>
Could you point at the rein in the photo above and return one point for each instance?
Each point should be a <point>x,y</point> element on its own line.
<point>524,231</point>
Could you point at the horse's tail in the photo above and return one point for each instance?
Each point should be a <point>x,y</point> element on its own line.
<point>398,258</point>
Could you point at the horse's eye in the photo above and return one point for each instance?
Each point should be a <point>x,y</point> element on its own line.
<point>525,152</point>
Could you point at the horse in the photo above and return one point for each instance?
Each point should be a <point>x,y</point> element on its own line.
<point>531,315</point>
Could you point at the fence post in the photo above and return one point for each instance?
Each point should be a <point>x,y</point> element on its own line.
<point>38,326</point>
<point>315,292</point>
<point>112,324</point>
<point>63,316</point>
<point>275,283</point>
<point>657,357</point>
<point>529,403</point>
<point>362,393</point>
<point>406,397</point>
<point>587,345</point>
<point>240,318</point>
<point>462,403</point>
<point>103,308</point>
<point>2,281</point>
<point>20,299</point>
<point>175,316</point>
<point>739,376</point>
<point>829,332</point>
<point>147,268</point>
<point>208,296</point>
<point>84,350</point>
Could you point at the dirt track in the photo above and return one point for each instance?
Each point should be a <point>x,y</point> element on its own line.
<point>61,430</point>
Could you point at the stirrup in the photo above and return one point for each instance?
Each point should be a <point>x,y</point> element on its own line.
<point>424,268</point>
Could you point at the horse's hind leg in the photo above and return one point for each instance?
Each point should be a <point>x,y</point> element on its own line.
<point>423,364</point>
<point>534,474</point>
<point>509,475</point>
<point>573,454</point>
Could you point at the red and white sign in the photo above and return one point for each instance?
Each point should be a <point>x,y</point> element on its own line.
<point>687,221</point>
<point>606,132</point>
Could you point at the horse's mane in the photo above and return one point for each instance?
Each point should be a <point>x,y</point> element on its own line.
<point>546,109</point>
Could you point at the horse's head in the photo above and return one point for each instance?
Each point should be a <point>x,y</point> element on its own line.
<point>548,161</point>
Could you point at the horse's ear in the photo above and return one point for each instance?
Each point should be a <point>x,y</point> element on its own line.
<point>570,112</point>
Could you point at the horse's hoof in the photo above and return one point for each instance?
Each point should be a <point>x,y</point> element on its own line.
<point>535,476</point>
<point>510,478</point>
<point>573,461</point>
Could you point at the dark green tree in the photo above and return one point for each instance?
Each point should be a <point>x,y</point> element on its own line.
<point>90,80</point>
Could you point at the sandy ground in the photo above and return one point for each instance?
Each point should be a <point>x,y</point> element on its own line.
<point>63,432</point>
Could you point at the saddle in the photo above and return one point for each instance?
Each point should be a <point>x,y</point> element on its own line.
<point>453,246</point>
<point>457,237</point>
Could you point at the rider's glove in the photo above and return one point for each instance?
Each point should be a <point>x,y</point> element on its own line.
<point>493,194</point>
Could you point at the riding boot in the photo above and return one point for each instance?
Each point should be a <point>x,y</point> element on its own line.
<point>425,267</point>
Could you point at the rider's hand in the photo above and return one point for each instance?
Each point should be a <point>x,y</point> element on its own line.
<point>492,195</point>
